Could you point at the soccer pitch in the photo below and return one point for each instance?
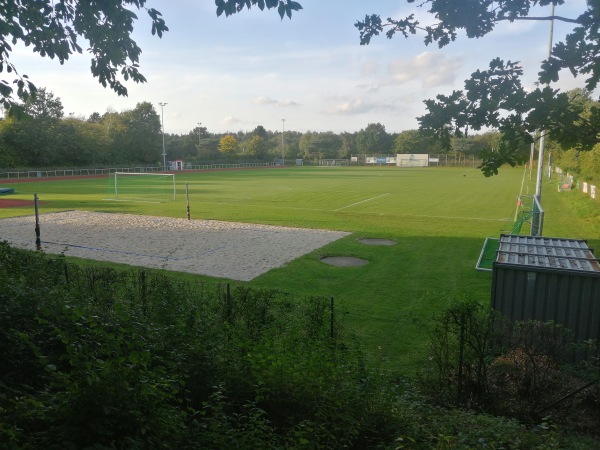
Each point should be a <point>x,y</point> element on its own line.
<point>437,217</point>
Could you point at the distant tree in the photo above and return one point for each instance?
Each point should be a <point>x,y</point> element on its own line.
<point>199,132</point>
<point>95,142</point>
<point>10,156</point>
<point>307,146</point>
<point>416,141</point>
<point>348,145</point>
<point>373,140</point>
<point>256,146</point>
<point>328,145</point>
<point>260,132</point>
<point>589,164</point>
<point>43,106</point>
<point>32,129</point>
<point>292,145</point>
<point>208,149</point>
<point>136,134</point>
<point>95,117</point>
<point>183,146</point>
<point>228,145</point>
<point>481,143</point>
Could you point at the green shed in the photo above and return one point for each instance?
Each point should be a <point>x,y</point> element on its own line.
<point>548,279</point>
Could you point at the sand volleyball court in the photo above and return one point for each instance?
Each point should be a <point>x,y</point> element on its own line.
<point>236,251</point>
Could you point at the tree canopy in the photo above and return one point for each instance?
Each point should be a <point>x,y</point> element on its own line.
<point>54,29</point>
<point>284,7</point>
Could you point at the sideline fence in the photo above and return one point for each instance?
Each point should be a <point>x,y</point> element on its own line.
<point>53,173</point>
<point>434,160</point>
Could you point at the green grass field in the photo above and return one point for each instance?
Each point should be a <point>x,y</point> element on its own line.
<point>438,217</point>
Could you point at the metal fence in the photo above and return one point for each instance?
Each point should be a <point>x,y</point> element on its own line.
<point>53,173</point>
<point>434,160</point>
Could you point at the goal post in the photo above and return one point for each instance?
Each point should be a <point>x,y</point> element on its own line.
<point>531,213</point>
<point>142,187</point>
<point>537,217</point>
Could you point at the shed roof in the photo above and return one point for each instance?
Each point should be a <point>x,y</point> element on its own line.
<point>540,252</point>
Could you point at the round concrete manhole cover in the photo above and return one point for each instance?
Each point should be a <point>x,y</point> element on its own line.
<point>344,261</point>
<point>372,241</point>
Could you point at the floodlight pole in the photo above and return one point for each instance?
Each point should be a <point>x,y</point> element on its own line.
<point>282,141</point>
<point>162,121</point>
<point>199,131</point>
<point>540,173</point>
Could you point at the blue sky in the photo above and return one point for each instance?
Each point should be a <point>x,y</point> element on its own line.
<point>235,73</point>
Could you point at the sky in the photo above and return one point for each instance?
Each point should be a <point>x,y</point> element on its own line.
<point>305,74</point>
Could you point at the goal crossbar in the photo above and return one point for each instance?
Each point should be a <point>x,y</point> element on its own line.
<point>119,187</point>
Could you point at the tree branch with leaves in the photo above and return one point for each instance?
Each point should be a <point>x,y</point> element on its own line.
<point>494,98</point>
<point>54,29</point>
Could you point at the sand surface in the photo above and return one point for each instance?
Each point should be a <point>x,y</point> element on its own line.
<point>236,251</point>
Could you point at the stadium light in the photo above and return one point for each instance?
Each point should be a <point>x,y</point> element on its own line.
<point>199,131</point>
<point>282,141</point>
<point>540,173</point>
<point>162,121</point>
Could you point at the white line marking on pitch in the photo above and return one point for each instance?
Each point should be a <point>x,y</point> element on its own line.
<point>363,201</point>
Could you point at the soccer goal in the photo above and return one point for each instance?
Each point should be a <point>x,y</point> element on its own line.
<point>529,213</point>
<point>142,187</point>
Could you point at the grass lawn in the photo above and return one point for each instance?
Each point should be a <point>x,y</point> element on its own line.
<point>438,217</point>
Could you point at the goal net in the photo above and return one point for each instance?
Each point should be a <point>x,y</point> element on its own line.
<point>141,187</point>
<point>529,214</point>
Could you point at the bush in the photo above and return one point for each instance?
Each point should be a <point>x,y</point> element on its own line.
<point>98,358</point>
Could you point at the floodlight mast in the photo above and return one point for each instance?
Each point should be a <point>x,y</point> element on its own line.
<point>282,141</point>
<point>540,174</point>
<point>162,121</point>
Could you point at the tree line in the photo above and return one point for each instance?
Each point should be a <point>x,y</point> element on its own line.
<point>37,133</point>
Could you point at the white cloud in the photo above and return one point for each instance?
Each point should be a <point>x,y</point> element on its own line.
<point>229,120</point>
<point>288,103</point>
<point>264,101</point>
<point>369,68</point>
<point>432,69</point>
<point>270,101</point>
<point>349,107</point>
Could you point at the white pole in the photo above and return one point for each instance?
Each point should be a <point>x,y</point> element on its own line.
<point>520,194</point>
<point>531,153</point>
<point>540,167</point>
<point>540,174</point>
<point>162,120</point>
<point>282,141</point>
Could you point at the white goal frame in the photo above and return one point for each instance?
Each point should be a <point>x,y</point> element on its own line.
<point>146,174</point>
